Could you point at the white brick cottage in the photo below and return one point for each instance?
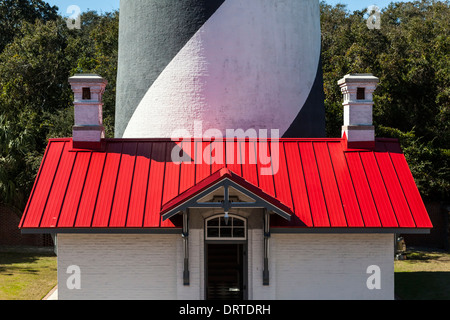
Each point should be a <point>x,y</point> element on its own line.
<point>324,266</point>
<point>133,221</point>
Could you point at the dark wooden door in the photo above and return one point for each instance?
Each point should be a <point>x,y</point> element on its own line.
<point>225,272</point>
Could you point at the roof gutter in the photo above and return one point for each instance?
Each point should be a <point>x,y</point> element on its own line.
<point>273,230</point>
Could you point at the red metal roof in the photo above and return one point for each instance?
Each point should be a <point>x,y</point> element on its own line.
<point>128,182</point>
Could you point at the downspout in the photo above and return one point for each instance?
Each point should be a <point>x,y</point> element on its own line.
<point>266,275</point>
<point>185,235</point>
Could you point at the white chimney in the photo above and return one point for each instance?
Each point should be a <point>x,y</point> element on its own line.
<point>88,90</point>
<point>358,126</point>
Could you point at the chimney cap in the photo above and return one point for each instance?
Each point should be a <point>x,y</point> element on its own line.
<point>87,77</point>
<point>358,78</point>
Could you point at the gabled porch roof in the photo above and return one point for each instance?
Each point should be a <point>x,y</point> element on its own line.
<point>224,179</point>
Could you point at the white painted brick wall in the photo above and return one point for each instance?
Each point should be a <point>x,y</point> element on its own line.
<point>119,266</point>
<point>195,290</point>
<point>331,266</point>
<point>260,292</point>
<point>302,266</point>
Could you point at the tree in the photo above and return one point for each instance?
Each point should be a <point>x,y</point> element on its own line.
<point>33,77</point>
<point>15,12</point>
<point>36,101</point>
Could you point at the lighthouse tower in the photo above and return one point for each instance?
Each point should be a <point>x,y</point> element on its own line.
<point>227,64</point>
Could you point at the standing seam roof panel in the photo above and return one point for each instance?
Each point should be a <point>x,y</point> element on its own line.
<point>73,194</point>
<point>138,194</point>
<point>281,179</point>
<point>298,186</point>
<point>123,188</point>
<point>265,169</point>
<point>345,185</point>
<point>233,156</point>
<point>187,170</point>
<point>249,163</point>
<point>329,185</point>
<point>153,202</point>
<point>108,184</point>
<point>90,191</point>
<point>362,189</point>
<point>171,182</point>
<point>382,202</point>
<point>59,187</point>
<point>319,210</point>
<point>217,156</point>
<point>43,186</point>
<point>395,191</point>
<point>202,169</point>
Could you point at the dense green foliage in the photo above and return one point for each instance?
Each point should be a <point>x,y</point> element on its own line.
<point>35,96</point>
<point>410,55</point>
<point>14,13</point>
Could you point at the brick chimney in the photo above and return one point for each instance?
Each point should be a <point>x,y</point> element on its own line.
<point>88,130</point>
<point>358,126</point>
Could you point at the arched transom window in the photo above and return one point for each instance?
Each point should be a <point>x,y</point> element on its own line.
<point>223,227</point>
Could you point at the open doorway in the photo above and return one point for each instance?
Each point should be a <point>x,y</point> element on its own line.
<point>226,271</point>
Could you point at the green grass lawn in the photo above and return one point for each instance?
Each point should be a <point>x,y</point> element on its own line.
<point>26,276</point>
<point>424,275</point>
